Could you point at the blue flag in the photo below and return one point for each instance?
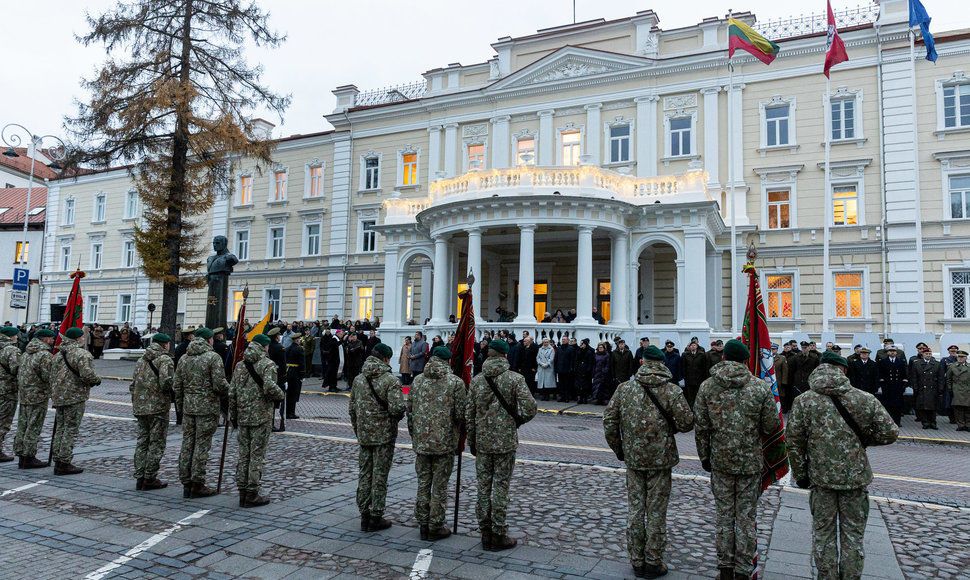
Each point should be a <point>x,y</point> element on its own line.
<point>918,15</point>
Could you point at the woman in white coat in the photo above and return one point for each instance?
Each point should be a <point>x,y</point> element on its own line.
<point>546,372</point>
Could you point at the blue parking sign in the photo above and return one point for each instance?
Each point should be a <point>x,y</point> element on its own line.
<point>20,278</point>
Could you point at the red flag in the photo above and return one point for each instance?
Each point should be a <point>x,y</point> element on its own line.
<point>463,358</point>
<point>239,342</point>
<point>834,49</point>
<point>774,450</point>
<point>74,310</point>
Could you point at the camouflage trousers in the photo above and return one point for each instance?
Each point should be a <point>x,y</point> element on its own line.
<point>374,465</point>
<point>494,472</point>
<point>838,525</point>
<point>253,440</point>
<point>150,446</point>
<point>736,504</point>
<point>197,432</point>
<point>648,492</point>
<point>68,421</point>
<point>433,471</point>
<point>29,425</point>
<point>7,409</point>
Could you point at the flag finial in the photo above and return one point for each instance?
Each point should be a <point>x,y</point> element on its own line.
<point>752,254</point>
<point>471,277</point>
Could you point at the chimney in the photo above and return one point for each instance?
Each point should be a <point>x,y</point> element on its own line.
<point>263,128</point>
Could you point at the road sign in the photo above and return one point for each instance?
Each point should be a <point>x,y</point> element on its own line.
<point>21,277</point>
<point>18,298</point>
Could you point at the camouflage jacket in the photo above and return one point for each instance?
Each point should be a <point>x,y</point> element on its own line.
<point>733,409</point>
<point>490,428</point>
<point>372,424</point>
<point>957,382</point>
<point>72,386</point>
<point>250,404</point>
<point>635,427</point>
<point>36,373</point>
<point>436,409</point>
<point>200,380</point>
<point>9,365</point>
<point>150,393</point>
<point>821,445</point>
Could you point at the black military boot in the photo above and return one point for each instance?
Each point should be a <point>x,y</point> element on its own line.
<point>425,531</point>
<point>66,468</point>
<point>487,539</point>
<point>726,573</point>
<point>242,497</point>
<point>502,542</point>
<point>740,576</point>
<point>253,499</point>
<point>654,571</point>
<point>439,533</point>
<point>20,460</point>
<point>140,483</point>
<point>186,490</point>
<point>154,483</point>
<point>639,571</point>
<point>34,463</point>
<point>378,523</point>
<point>364,522</point>
<point>5,458</point>
<point>201,490</point>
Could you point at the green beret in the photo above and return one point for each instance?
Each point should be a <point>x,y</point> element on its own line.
<point>44,333</point>
<point>74,332</point>
<point>383,351</point>
<point>262,340</point>
<point>441,352</point>
<point>734,350</point>
<point>831,358</point>
<point>161,337</point>
<point>203,332</point>
<point>653,353</point>
<point>499,346</point>
<point>9,331</point>
<point>272,331</point>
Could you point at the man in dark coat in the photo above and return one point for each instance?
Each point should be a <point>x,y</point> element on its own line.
<point>222,349</point>
<point>372,341</point>
<point>295,367</point>
<point>564,369</point>
<point>864,372</point>
<point>893,380</point>
<point>277,354</point>
<point>187,337</point>
<point>623,365</point>
<point>801,368</point>
<point>717,350</point>
<point>924,377</point>
<point>884,351</point>
<point>672,362</point>
<point>638,356</point>
<point>354,356</point>
<point>946,407</point>
<point>528,364</point>
<point>330,359</point>
<point>583,361</point>
<point>696,367</point>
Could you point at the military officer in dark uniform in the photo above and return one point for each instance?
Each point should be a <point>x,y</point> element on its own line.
<point>295,367</point>
<point>278,356</point>
<point>801,368</point>
<point>864,372</point>
<point>893,380</point>
<point>219,345</point>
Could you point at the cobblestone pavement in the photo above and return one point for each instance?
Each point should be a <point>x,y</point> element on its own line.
<point>929,543</point>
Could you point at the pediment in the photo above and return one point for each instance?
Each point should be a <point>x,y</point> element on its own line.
<point>571,62</point>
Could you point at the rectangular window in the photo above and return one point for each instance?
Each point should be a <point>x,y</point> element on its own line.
<point>779,209</point>
<point>312,239</point>
<point>843,119</point>
<point>410,162</point>
<point>96,253</point>
<point>309,304</point>
<point>66,257</point>
<point>235,304</point>
<point>279,186</point>
<point>365,302</point>
<point>526,151</point>
<point>124,308</point>
<point>410,302</point>
<point>246,190</point>
<point>603,298</point>
<point>848,294</point>
<point>128,254</point>
<point>368,242</point>
<point>960,292</point>
<point>242,244</point>
<point>845,205</point>
<point>956,106</point>
<point>680,136</point>
<point>22,249</point>
<point>316,181</point>
<point>69,212</point>
<point>619,144</point>
<point>960,196</point>
<point>476,156</point>
<point>93,304</point>
<point>271,302</point>
<point>776,119</point>
<point>276,242</point>
<point>571,142</point>
<point>100,206</point>
<point>780,296</point>
<point>372,170</point>
<point>131,204</point>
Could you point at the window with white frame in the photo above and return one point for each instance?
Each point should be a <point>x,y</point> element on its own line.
<point>68,212</point>
<point>180,308</point>
<point>277,241</point>
<point>97,247</point>
<point>776,125</point>
<point>371,172</point>
<point>242,244</point>
<point>960,293</point>
<point>65,255</point>
<point>308,308</point>
<point>476,156</point>
<point>124,308</point>
<point>368,236</point>
<point>246,190</point>
<point>92,304</point>
<point>131,204</point>
<point>779,209</point>
<point>849,294</point>
<point>235,303</point>
<point>619,138</point>
<point>680,133</point>
<point>278,193</point>
<point>311,239</point>
<point>843,118</point>
<point>956,105</point>
<point>525,151</point>
<point>271,302</point>
<point>571,147</point>
<point>364,307</point>
<point>780,289</point>
<point>959,188</point>
<point>407,167</point>
<point>100,207</point>
<point>845,205</point>
<point>128,254</point>
<point>315,175</point>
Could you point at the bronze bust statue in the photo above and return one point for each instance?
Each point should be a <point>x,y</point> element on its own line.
<point>218,267</point>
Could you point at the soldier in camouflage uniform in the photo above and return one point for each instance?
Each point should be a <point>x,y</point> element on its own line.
<point>73,375</point>
<point>436,413</point>
<point>827,456</point>
<point>493,439</point>
<point>34,385</point>
<point>251,412</point>
<point>9,365</point>
<point>376,407</point>
<point>641,436</point>
<point>732,411</point>
<point>200,383</point>
<point>151,399</point>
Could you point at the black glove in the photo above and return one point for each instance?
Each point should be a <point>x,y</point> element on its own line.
<point>472,448</point>
<point>276,404</point>
<point>235,423</point>
<point>706,465</point>
<point>178,417</point>
<point>459,449</point>
<point>619,454</point>
<point>804,483</point>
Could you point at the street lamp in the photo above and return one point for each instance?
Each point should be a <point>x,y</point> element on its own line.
<point>11,135</point>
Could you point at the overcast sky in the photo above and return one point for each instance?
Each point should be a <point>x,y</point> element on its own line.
<point>368,43</point>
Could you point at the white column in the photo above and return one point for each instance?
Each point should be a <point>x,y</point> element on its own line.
<point>594,130</point>
<point>547,138</point>
<point>451,149</point>
<point>439,304</point>
<point>711,134</point>
<point>500,144</point>
<point>392,289</point>
<point>620,284</point>
<point>647,135</point>
<point>527,276</point>
<point>426,291</point>
<point>679,296</point>
<point>494,287</point>
<point>434,152</point>
<point>475,267</point>
<point>584,276</point>
<point>695,274</point>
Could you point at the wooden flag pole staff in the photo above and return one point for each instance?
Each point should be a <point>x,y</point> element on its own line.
<point>466,295</point>
<point>237,343</point>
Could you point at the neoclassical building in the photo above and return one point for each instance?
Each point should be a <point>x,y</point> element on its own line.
<point>607,165</point>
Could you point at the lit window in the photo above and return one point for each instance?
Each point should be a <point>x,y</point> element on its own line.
<point>279,186</point>
<point>131,204</point>
<point>410,302</point>
<point>276,242</point>
<point>372,166</point>
<point>461,301</point>
<point>410,162</point>
<point>236,303</point>
<point>96,253</point>
<point>368,236</point>
<point>66,256</point>
<point>93,304</point>
<point>365,302</point>
<point>309,304</point>
<point>960,292</point>
<point>776,119</point>
<point>619,144</point>
<point>603,299</point>
<point>848,295</point>
<point>242,244</point>
<point>100,207</point>
<point>271,302</point>
<point>526,151</point>
<point>956,106</point>
<point>571,141</point>
<point>312,239</point>
<point>124,307</point>
<point>246,190</point>
<point>960,196</point>
<point>476,156</point>
<point>22,249</point>
<point>128,254</point>
<point>316,181</point>
<point>680,136</point>
<point>843,119</point>
<point>69,212</point>
<point>780,296</point>
<point>845,205</point>
<point>779,209</point>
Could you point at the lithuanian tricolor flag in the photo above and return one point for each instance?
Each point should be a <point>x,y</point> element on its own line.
<point>742,36</point>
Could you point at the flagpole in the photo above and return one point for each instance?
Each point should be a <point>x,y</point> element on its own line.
<point>916,183</point>
<point>734,213</point>
<point>829,212</point>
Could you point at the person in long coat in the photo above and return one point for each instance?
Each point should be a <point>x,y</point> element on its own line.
<point>958,385</point>
<point>404,362</point>
<point>527,363</point>
<point>602,375</point>
<point>583,370</point>
<point>696,369</point>
<point>924,377</point>
<point>546,370</point>
<point>893,379</point>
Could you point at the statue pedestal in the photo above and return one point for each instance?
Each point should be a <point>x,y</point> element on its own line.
<point>217,301</point>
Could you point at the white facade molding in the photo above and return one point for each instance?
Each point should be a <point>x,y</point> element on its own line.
<point>778,102</point>
<point>775,178</point>
<point>855,97</point>
<point>619,121</point>
<point>408,150</point>
<point>308,179</point>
